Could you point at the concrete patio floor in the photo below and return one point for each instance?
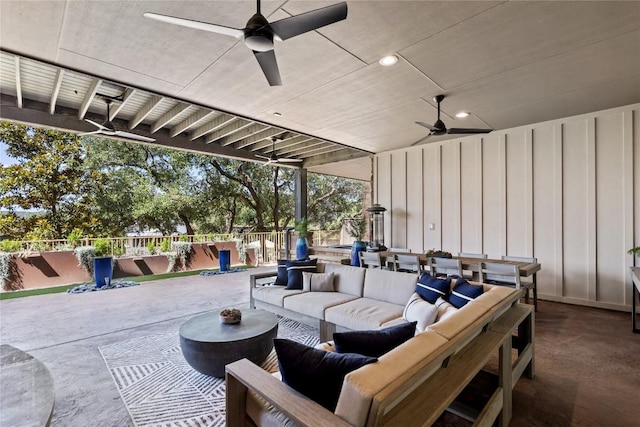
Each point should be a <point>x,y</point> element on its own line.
<point>64,331</point>
<point>586,359</point>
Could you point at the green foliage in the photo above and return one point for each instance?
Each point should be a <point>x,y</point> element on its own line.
<point>165,245</point>
<point>48,177</point>
<point>74,237</point>
<point>10,246</point>
<point>302,227</point>
<point>634,251</point>
<point>151,247</point>
<point>103,247</point>
<point>99,187</point>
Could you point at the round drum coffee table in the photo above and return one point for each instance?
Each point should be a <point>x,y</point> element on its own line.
<point>208,345</point>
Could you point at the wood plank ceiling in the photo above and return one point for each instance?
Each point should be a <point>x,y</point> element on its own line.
<point>508,63</point>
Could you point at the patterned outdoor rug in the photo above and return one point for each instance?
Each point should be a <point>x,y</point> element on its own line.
<point>159,388</point>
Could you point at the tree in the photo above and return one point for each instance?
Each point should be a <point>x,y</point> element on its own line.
<point>49,176</point>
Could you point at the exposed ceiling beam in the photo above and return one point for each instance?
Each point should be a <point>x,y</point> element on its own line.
<point>56,90</point>
<point>18,83</point>
<point>128,93</point>
<point>152,103</point>
<point>244,133</point>
<point>88,98</point>
<point>66,119</point>
<point>217,123</point>
<point>285,143</point>
<point>344,154</point>
<point>267,133</point>
<point>191,121</point>
<point>234,126</point>
<point>168,116</point>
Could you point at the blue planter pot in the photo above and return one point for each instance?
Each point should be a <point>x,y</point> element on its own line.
<point>358,246</point>
<point>302,248</point>
<point>225,259</point>
<point>102,270</point>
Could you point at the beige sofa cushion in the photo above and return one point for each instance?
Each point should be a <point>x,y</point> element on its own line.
<point>315,303</point>
<point>451,326</point>
<point>274,294</point>
<point>346,279</point>
<point>389,286</point>
<point>363,313</point>
<point>361,385</point>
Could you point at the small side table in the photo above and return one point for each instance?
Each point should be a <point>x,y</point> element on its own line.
<point>635,293</point>
<point>208,345</point>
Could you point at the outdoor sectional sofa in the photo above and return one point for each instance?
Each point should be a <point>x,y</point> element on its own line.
<point>411,384</point>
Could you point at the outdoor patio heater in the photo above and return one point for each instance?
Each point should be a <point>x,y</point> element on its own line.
<point>376,228</point>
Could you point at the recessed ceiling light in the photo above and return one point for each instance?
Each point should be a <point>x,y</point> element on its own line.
<point>277,114</point>
<point>462,115</point>
<point>388,60</point>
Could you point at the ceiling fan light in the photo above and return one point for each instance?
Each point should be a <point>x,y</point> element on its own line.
<point>388,60</point>
<point>462,114</point>
<point>259,43</point>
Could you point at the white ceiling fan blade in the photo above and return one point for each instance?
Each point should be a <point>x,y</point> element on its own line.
<point>90,133</point>
<point>289,160</point>
<point>133,136</point>
<point>263,157</point>
<point>205,26</point>
<point>96,124</point>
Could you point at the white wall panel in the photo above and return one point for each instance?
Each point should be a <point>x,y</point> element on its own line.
<point>566,192</point>
<point>546,203</point>
<point>610,215</point>
<point>518,192</point>
<point>451,197</point>
<point>398,207</point>
<point>383,189</point>
<point>471,195</point>
<point>415,211</point>
<point>575,209</point>
<point>432,200</point>
<point>493,195</point>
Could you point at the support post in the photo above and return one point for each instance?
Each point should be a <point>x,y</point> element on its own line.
<point>300,193</point>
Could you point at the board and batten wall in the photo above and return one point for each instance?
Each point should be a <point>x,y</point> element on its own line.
<point>565,191</point>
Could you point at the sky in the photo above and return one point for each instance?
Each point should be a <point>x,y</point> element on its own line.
<point>4,159</point>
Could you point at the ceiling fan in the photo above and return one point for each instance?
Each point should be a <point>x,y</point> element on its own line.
<point>273,157</point>
<point>108,128</point>
<point>439,128</point>
<point>259,34</point>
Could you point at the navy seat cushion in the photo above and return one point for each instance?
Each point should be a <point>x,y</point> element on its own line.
<point>282,277</point>
<point>431,288</point>
<point>317,374</point>
<point>295,269</point>
<point>463,292</point>
<point>374,343</point>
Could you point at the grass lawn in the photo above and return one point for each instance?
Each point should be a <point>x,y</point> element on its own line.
<point>137,279</point>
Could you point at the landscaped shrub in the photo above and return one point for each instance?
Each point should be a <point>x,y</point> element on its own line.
<point>165,245</point>
<point>183,251</point>
<point>151,247</point>
<point>103,247</point>
<point>85,256</point>
<point>73,239</point>
<point>10,245</point>
<point>5,267</point>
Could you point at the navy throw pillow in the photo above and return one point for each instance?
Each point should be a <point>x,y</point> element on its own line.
<point>431,288</point>
<point>317,374</point>
<point>463,292</point>
<point>295,269</point>
<point>282,277</point>
<point>374,343</point>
